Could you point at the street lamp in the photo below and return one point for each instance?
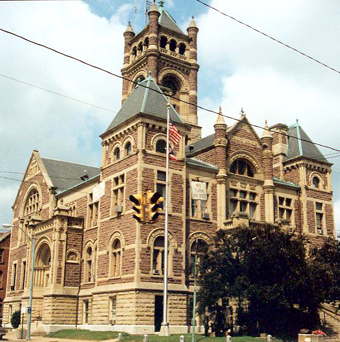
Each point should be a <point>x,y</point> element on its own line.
<point>29,309</point>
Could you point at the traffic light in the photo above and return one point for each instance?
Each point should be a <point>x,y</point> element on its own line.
<point>139,207</point>
<point>154,200</point>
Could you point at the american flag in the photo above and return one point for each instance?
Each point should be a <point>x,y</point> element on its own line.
<point>174,135</point>
<point>172,154</point>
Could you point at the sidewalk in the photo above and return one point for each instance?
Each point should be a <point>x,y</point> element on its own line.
<point>11,336</point>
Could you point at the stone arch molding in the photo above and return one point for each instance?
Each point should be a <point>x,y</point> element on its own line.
<point>319,176</point>
<point>132,85</point>
<point>117,235</point>
<point>34,186</point>
<point>43,240</point>
<point>72,256</point>
<point>244,155</point>
<point>157,137</point>
<point>201,236</point>
<point>160,232</point>
<point>129,139</point>
<point>171,72</point>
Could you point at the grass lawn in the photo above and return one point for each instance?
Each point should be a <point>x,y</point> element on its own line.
<point>84,334</point>
<point>107,335</point>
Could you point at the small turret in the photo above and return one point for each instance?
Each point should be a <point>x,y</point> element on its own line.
<point>153,52</point>
<point>221,143</point>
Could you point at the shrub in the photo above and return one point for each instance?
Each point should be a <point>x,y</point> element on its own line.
<point>15,320</point>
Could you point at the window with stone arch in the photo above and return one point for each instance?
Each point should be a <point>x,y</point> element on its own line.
<point>116,258</point>
<point>89,264</point>
<point>173,45</point>
<point>172,83</point>
<point>116,154</point>
<point>161,146</point>
<point>316,182</point>
<point>158,256</point>
<point>182,48</point>
<point>163,42</point>
<point>198,249</point>
<point>42,265</point>
<point>242,167</point>
<point>128,148</point>
<point>32,204</point>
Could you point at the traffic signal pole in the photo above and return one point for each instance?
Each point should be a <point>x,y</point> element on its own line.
<point>165,325</point>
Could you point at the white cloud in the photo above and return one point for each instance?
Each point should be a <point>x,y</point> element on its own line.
<point>33,119</point>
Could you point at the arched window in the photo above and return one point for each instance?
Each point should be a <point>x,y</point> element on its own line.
<point>42,266</point>
<point>158,256</point>
<point>116,153</point>
<point>146,42</point>
<point>32,203</point>
<point>140,47</point>
<point>198,250</point>
<point>172,84</point>
<point>128,148</point>
<point>89,265</point>
<point>173,45</point>
<point>182,48</point>
<point>134,51</point>
<point>161,146</point>
<point>116,258</point>
<point>242,167</point>
<point>163,42</point>
<point>316,182</point>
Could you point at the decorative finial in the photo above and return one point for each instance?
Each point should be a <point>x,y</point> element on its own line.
<point>243,113</point>
<point>161,3</point>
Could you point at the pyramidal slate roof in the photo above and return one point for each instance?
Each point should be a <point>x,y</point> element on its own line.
<point>167,21</point>
<point>65,175</point>
<point>147,98</point>
<point>300,145</point>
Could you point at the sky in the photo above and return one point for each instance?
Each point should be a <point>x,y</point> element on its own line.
<point>239,68</point>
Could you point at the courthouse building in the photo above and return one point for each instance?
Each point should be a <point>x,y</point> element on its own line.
<point>96,267</point>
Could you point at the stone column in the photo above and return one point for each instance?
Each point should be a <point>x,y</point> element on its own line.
<point>268,186</point>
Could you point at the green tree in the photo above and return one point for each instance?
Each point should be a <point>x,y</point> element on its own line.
<point>325,264</point>
<point>266,270</point>
<point>15,320</point>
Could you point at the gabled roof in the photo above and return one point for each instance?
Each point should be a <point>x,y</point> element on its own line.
<point>65,175</point>
<point>300,145</point>
<point>147,98</point>
<point>4,236</point>
<point>167,21</point>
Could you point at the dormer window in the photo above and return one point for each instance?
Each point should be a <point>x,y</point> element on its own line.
<point>242,167</point>
<point>161,146</point>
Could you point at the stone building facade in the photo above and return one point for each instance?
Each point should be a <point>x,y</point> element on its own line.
<point>96,267</point>
<point>4,253</point>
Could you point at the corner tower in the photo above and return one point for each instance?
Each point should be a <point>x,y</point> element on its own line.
<point>170,55</point>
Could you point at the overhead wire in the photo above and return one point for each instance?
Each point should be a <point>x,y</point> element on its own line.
<point>55,93</point>
<point>155,90</point>
<point>268,36</point>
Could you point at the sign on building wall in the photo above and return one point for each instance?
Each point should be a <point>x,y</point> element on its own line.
<point>98,191</point>
<point>199,191</point>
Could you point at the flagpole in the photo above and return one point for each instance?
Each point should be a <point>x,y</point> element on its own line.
<point>165,325</point>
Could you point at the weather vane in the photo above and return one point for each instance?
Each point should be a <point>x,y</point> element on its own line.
<point>161,3</point>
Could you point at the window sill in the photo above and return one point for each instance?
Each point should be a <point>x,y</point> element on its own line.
<point>200,219</point>
<point>115,277</point>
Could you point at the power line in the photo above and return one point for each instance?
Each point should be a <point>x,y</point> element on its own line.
<point>55,93</point>
<point>268,36</point>
<point>155,90</point>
